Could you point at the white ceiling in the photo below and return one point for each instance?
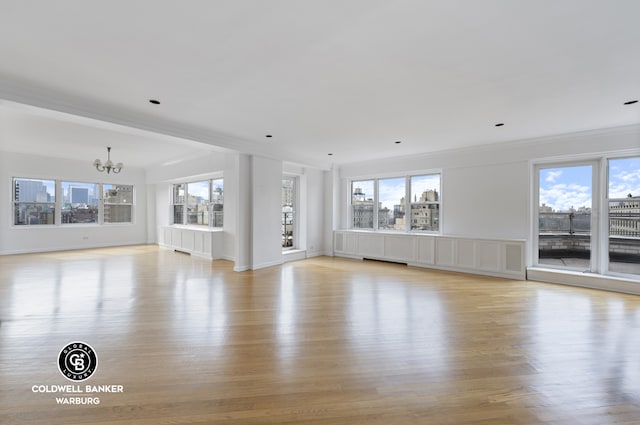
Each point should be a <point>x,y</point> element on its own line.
<point>347,77</point>
<point>27,129</point>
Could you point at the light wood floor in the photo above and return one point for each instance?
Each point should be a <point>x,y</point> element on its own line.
<point>320,341</point>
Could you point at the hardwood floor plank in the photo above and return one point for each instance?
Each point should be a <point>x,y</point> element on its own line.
<point>322,341</point>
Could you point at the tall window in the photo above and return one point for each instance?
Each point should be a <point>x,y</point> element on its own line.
<point>198,203</point>
<point>623,200</point>
<point>198,196</point>
<point>118,203</point>
<point>80,202</point>
<point>217,203</point>
<point>362,200</point>
<point>391,200</point>
<point>34,201</point>
<point>289,222</point>
<point>178,201</point>
<point>425,202</point>
<point>403,203</point>
<point>565,202</point>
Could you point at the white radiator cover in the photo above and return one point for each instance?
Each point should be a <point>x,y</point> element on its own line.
<point>493,257</point>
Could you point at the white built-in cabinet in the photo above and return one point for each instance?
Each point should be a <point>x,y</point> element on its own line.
<point>203,242</point>
<point>503,258</point>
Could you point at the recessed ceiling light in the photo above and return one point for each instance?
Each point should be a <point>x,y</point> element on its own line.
<point>631,102</point>
<point>500,124</point>
<point>154,101</point>
<point>268,135</point>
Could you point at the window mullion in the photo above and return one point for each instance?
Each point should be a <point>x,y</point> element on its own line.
<point>376,199</point>
<point>407,204</point>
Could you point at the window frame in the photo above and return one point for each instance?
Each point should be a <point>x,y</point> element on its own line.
<point>15,203</point>
<point>211,216</point>
<point>438,202</point>
<point>295,214</point>
<point>600,237</point>
<point>407,228</point>
<point>606,217</point>
<point>59,202</point>
<point>595,263</point>
<point>130,204</point>
<point>98,187</point>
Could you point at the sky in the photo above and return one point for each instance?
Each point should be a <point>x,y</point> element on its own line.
<point>202,188</point>
<point>624,177</point>
<point>564,187</point>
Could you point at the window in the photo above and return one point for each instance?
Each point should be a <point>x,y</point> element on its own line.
<point>391,200</point>
<point>362,200</point>
<point>565,216</point>
<point>394,197</point>
<point>34,201</point>
<point>289,185</point>
<point>80,202</point>
<point>199,203</point>
<point>425,202</point>
<point>178,201</point>
<point>118,203</point>
<point>198,195</point>
<point>623,200</point>
<point>585,226</point>
<point>217,203</point>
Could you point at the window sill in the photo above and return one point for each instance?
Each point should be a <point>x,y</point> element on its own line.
<point>197,228</point>
<point>68,225</point>
<point>392,232</point>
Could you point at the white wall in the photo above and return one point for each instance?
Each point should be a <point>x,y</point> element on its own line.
<point>21,239</point>
<point>242,190</point>
<point>481,202</point>
<point>266,216</point>
<point>315,211</point>
<point>486,191</point>
<point>151,216</point>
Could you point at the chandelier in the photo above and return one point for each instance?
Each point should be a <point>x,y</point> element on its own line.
<point>108,166</point>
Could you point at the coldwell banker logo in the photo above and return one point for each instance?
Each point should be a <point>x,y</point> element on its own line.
<point>77,361</point>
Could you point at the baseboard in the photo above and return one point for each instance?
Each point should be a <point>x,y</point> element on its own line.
<point>68,248</point>
<point>267,264</point>
<point>584,280</point>
<point>293,255</point>
<point>320,254</point>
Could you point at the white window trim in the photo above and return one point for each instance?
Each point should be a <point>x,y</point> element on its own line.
<point>594,263</point>
<point>407,223</point>
<point>57,218</point>
<point>186,183</point>
<point>600,207</point>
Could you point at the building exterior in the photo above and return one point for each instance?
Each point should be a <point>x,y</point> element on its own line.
<point>425,213</point>
<point>362,208</point>
<point>78,195</point>
<point>118,204</point>
<point>624,216</point>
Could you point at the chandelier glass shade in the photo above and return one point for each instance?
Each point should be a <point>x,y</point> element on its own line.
<point>108,166</point>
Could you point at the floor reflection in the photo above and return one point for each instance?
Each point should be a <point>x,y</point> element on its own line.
<point>329,332</point>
